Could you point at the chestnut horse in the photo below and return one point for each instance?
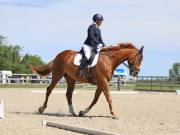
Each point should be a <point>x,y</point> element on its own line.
<point>109,59</point>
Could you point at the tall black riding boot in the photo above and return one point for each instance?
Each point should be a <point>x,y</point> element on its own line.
<point>81,66</point>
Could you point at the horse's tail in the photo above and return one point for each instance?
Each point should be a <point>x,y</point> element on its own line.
<point>43,70</point>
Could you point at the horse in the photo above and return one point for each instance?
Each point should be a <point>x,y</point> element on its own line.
<point>109,58</point>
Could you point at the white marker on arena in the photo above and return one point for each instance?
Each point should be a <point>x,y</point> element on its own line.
<point>1,109</point>
<point>178,92</point>
<point>54,92</point>
<point>123,92</point>
<point>63,92</point>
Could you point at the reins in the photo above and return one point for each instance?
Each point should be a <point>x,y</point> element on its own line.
<point>112,55</point>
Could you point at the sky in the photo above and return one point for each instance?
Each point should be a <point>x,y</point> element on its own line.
<point>47,27</point>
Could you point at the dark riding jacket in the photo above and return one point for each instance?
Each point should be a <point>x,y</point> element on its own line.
<point>94,36</point>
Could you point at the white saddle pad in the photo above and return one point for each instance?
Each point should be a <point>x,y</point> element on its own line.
<point>78,57</point>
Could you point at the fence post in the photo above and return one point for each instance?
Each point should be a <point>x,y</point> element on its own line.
<point>151,82</point>
<point>161,84</point>
<point>119,83</point>
<point>142,82</point>
<point>136,82</point>
<point>172,84</point>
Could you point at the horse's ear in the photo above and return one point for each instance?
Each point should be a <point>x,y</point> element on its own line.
<point>141,50</point>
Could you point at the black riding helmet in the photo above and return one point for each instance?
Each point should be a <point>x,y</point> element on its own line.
<point>98,17</point>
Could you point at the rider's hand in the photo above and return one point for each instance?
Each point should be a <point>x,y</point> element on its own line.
<point>100,45</point>
<point>108,46</point>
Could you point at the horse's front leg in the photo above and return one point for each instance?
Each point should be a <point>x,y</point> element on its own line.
<point>96,97</point>
<point>106,92</point>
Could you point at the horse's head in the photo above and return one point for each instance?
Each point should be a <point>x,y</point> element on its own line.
<point>126,51</point>
<point>135,62</point>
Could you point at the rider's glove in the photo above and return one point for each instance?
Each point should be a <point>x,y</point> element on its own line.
<point>100,45</point>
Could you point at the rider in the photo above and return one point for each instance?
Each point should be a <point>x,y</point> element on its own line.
<point>93,42</point>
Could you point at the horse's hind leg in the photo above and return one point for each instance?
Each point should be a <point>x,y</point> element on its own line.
<point>48,92</point>
<point>56,76</point>
<point>69,93</point>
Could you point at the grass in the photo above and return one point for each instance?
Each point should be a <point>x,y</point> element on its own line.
<point>35,85</point>
<point>164,88</point>
<point>29,85</point>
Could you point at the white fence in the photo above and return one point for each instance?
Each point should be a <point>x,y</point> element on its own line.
<point>36,79</point>
<point>27,78</point>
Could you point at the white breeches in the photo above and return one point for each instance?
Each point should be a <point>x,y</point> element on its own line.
<point>87,50</point>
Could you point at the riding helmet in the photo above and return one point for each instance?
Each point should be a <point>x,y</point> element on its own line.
<point>98,17</point>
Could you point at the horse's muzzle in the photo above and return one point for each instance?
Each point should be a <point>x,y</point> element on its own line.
<point>134,73</point>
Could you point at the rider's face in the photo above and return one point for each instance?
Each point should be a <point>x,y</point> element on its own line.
<point>98,23</point>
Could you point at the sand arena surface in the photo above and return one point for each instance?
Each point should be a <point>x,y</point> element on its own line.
<point>139,114</point>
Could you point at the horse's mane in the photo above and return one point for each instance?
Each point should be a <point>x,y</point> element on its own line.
<point>119,46</point>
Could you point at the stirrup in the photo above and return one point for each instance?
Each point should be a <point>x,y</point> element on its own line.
<point>80,73</point>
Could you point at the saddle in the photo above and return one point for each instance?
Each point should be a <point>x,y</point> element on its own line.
<point>91,62</point>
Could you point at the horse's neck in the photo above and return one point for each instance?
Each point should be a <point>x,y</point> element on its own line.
<point>121,56</point>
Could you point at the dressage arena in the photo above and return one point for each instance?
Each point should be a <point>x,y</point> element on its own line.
<point>141,113</point>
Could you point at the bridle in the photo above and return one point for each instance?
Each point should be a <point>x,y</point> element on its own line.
<point>132,61</point>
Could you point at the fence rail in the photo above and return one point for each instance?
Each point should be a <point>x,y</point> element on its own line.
<point>152,83</point>
<point>157,83</point>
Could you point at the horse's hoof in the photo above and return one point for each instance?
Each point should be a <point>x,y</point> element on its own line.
<point>75,115</point>
<point>81,114</point>
<point>115,118</point>
<point>40,111</point>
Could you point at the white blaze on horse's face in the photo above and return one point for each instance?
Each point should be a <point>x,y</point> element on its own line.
<point>135,63</point>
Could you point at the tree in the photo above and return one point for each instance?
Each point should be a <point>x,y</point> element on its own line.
<point>2,39</point>
<point>11,58</point>
<point>9,55</point>
<point>175,70</point>
<point>31,59</point>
